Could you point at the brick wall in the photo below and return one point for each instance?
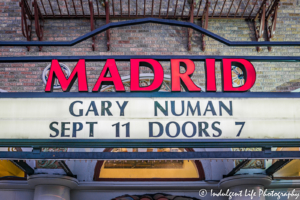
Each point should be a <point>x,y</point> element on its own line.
<point>148,39</point>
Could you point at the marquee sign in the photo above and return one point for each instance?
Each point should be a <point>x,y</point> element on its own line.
<point>144,117</point>
<point>155,119</point>
<point>149,118</point>
<point>156,115</point>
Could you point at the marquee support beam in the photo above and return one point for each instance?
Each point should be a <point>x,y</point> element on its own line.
<point>107,22</point>
<point>215,155</point>
<point>277,166</point>
<point>23,166</point>
<point>259,30</point>
<point>66,168</point>
<point>205,22</point>
<point>272,15</point>
<point>92,21</point>
<point>39,30</point>
<point>237,168</point>
<point>26,21</point>
<point>190,31</point>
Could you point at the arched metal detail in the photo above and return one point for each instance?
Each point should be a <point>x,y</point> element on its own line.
<point>150,20</point>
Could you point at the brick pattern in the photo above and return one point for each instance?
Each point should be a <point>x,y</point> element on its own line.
<point>148,39</point>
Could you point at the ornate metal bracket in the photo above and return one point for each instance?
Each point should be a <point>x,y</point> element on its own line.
<point>190,31</point>
<point>205,22</point>
<point>92,22</point>
<point>259,30</point>
<point>39,30</point>
<point>26,21</point>
<point>272,15</point>
<point>107,21</point>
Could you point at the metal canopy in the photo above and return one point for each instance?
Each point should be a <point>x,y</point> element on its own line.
<point>167,9</point>
<point>189,10</point>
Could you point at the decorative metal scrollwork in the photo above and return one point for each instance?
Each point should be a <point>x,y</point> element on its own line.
<point>253,164</point>
<point>50,164</point>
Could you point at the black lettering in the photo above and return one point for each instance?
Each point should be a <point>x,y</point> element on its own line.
<point>173,108</point>
<point>75,129</point>
<point>212,109</point>
<point>94,109</point>
<point>168,129</point>
<point>197,107</point>
<point>161,129</point>
<point>240,131</point>
<point>127,126</point>
<point>54,129</point>
<point>105,109</point>
<point>63,129</point>
<point>213,126</point>
<point>117,129</point>
<point>122,108</point>
<point>91,128</point>
<point>222,105</point>
<point>72,111</point>
<point>203,130</point>
<point>184,129</point>
<point>163,110</point>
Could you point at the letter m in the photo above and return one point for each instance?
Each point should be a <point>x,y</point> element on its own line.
<point>66,83</point>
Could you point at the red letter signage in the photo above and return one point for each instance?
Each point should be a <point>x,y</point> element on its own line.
<point>210,75</point>
<point>249,75</point>
<point>66,84</point>
<point>115,79</point>
<point>184,78</point>
<point>177,78</point>
<point>135,75</point>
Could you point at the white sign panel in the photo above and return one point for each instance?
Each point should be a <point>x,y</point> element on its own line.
<point>149,118</point>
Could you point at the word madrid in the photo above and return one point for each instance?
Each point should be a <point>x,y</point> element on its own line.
<point>178,78</point>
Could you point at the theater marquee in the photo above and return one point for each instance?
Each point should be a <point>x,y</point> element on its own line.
<point>145,117</point>
<point>149,118</point>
